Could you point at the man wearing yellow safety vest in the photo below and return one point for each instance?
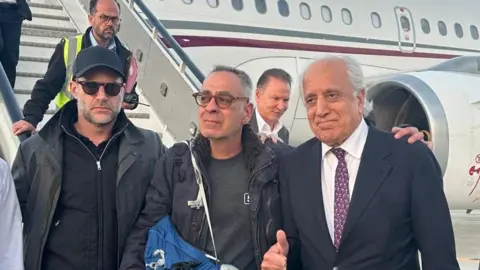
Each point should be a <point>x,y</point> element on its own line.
<point>104,19</point>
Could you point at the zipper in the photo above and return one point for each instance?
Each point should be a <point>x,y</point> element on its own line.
<point>99,168</point>
<point>255,172</point>
<point>257,229</point>
<point>97,161</point>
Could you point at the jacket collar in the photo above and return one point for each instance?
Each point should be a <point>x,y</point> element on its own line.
<point>52,131</point>
<point>121,49</point>
<point>255,152</point>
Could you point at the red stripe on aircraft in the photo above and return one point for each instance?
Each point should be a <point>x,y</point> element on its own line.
<point>200,41</point>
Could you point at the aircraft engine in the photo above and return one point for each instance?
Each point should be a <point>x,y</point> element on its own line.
<point>443,102</point>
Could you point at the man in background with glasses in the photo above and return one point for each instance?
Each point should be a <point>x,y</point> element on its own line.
<point>82,178</point>
<point>104,19</point>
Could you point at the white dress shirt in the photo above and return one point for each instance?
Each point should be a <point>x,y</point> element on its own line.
<point>354,147</point>
<point>11,242</point>
<point>264,128</point>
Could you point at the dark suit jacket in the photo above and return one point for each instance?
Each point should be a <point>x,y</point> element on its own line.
<point>22,12</point>
<point>282,133</point>
<point>397,208</point>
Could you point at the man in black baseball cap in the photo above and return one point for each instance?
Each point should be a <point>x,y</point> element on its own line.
<point>84,204</point>
<point>97,57</point>
<point>97,68</point>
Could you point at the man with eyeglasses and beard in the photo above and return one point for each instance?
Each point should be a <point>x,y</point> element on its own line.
<point>82,178</point>
<point>104,19</point>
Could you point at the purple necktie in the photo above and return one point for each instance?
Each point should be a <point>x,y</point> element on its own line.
<point>342,196</point>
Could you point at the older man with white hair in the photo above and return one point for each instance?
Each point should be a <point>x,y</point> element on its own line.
<point>354,197</point>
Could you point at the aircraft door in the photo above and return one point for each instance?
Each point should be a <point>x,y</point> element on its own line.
<point>406,30</point>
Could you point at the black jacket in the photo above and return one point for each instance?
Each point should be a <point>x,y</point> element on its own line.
<point>174,184</point>
<point>21,13</point>
<point>38,169</point>
<point>47,88</point>
<point>24,10</point>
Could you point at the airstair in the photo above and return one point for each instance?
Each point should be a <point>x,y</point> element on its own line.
<point>167,78</point>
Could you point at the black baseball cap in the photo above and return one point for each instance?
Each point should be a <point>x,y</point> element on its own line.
<point>94,57</point>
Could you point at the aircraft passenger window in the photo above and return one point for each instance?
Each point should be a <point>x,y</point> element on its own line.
<point>305,11</point>
<point>188,2</point>
<point>346,16</point>
<point>237,5</point>
<point>405,23</point>
<point>376,20</point>
<point>474,32</point>
<point>425,26</point>
<point>283,8</point>
<point>442,28</point>
<point>458,30</point>
<point>212,3</point>
<point>261,6</point>
<point>326,14</point>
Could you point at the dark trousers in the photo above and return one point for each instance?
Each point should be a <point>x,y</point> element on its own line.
<point>10,32</point>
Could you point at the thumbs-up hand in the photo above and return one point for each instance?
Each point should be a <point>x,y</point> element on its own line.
<point>276,256</point>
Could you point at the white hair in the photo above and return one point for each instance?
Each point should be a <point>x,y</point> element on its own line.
<point>354,71</point>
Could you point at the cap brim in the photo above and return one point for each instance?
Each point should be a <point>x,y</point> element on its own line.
<point>84,70</point>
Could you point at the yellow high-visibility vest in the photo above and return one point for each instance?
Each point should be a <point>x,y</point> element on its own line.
<point>72,47</point>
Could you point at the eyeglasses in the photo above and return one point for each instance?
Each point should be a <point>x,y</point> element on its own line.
<point>224,101</point>
<point>91,88</point>
<point>106,19</point>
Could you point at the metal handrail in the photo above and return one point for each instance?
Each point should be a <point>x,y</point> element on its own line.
<point>170,40</point>
<point>11,103</point>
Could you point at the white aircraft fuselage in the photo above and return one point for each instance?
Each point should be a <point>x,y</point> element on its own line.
<point>405,47</point>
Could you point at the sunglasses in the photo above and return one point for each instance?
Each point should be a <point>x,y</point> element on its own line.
<point>91,88</point>
<point>223,101</point>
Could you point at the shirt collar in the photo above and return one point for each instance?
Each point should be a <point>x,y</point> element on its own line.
<point>112,46</point>
<point>263,126</point>
<point>354,144</point>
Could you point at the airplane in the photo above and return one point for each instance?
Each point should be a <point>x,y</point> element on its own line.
<point>422,65</point>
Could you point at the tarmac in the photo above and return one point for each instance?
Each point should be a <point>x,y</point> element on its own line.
<point>467,238</point>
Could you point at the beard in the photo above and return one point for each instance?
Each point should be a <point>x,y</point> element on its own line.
<point>106,34</point>
<point>100,120</point>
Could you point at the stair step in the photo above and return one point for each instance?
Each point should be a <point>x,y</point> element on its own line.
<point>48,2</point>
<point>47,11</point>
<point>22,92</point>
<point>49,24</point>
<point>42,53</point>
<point>31,67</point>
<point>27,83</point>
<point>50,16</point>
<point>36,26</point>
<point>36,75</point>
<point>34,59</point>
<point>47,33</point>
<point>22,99</point>
<point>44,5</point>
<point>45,41</point>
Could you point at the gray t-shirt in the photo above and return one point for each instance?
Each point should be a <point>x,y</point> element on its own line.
<point>229,212</point>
